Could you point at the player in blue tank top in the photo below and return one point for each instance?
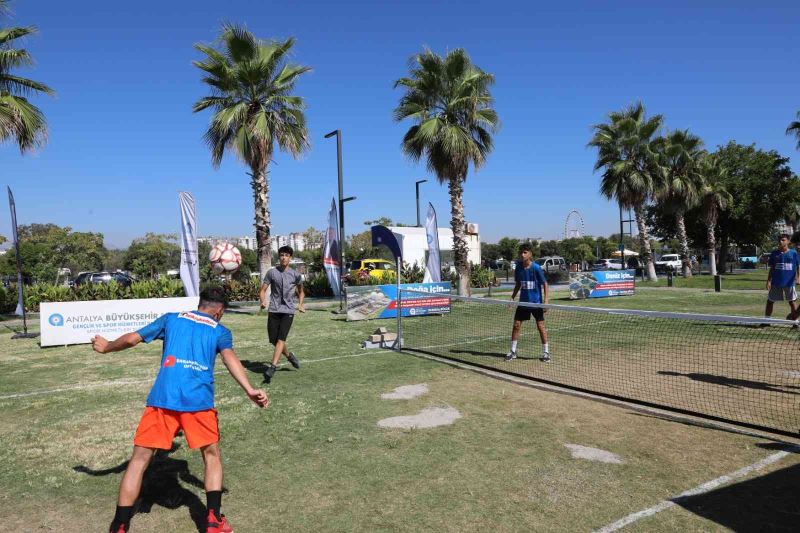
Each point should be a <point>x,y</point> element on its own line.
<point>182,399</point>
<point>532,288</point>
<point>784,273</point>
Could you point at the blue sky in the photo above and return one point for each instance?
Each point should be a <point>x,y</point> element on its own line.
<point>123,140</point>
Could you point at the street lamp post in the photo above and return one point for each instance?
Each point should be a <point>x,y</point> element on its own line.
<point>342,200</point>
<point>416,185</point>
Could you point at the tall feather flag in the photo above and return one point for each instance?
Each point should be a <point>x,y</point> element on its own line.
<point>20,311</point>
<point>190,264</point>
<point>332,255</point>
<point>433,268</point>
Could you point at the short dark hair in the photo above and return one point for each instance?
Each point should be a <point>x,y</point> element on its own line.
<point>213,296</point>
<point>525,247</point>
<point>783,236</point>
<point>285,250</point>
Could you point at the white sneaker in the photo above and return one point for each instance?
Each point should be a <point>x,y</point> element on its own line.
<point>545,358</point>
<point>511,355</point>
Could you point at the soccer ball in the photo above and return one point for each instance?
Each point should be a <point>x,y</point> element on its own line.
<point>225,258</point>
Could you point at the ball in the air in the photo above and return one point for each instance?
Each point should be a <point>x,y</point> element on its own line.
<point>225,258</point>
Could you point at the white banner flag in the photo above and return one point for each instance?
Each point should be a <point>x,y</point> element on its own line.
<point>332,256</point>
<point>433,270</point>
<point>190,265</point>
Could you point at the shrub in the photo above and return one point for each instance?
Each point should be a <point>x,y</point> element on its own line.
<point>481,277</point>
<point>557,276</point>
<point>317,286</point>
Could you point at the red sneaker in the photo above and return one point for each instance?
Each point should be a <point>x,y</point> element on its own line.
<point>218,525</point>
<point>120,529</point>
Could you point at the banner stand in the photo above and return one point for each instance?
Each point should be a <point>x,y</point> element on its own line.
<point>20,281</point>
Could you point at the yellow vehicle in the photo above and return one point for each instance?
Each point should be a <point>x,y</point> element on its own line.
<point>377,269</point>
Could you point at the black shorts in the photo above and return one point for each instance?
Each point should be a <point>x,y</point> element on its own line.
<point>525,313</point>
<point>278,326</point>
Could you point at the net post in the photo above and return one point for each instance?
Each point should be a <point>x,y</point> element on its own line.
<point>717,283</point>
<point>397,343</point>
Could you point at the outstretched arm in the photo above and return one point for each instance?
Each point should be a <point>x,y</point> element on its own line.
<point>129,340</point>
<point>234,366</point>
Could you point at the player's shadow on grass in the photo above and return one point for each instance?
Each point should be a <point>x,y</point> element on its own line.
<point>259,367</point>
<point>733,383</point>
<point>765,503</point>
<point>498,355</point>
<point>161,485</point>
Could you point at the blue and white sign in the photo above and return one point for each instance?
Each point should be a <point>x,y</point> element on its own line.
<point>602,283</point>
<point>380,301</point>
<point>65,323</point>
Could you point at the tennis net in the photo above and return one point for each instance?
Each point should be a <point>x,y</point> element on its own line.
<point>733,369</point>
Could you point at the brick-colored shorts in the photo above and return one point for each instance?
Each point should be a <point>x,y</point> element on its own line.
<point>158,428</point>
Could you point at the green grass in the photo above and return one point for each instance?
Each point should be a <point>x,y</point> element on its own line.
<point>315,460</point>
<point>742,280</point>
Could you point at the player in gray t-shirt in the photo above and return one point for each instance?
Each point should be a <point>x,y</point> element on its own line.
<point>286,284</point>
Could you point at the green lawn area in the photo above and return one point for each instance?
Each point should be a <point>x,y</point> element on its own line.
<point>741,280</point>
<point>317,461</point>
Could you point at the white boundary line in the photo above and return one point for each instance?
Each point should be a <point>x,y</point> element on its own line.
<point>700,489</point>
<point>151,378</point>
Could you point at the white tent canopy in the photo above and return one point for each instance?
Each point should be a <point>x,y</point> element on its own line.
<point>628,253</point>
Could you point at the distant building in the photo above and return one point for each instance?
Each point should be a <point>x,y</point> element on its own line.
<point>296,241</point>
<point>247,242</point>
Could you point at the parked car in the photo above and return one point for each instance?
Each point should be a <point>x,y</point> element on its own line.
<point>607,264</point>
<point>552,263</point>
<point>669,263</point>
<point>375,268</point>
<point>103,277</point>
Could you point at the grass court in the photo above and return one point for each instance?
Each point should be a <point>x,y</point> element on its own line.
<point>317,461</point>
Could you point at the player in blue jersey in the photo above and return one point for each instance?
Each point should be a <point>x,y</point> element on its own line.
<point>784,273</point>
<point>182,399</point>
<point>532,287</point>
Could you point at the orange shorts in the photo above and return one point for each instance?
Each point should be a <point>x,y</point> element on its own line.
<point>158,428</point>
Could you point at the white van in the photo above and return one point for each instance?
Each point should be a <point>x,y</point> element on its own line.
<point>552,263</point>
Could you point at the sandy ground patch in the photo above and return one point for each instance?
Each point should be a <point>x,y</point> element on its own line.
<point>593,454</point>
<point>406,392</point>
<point>430,417</point>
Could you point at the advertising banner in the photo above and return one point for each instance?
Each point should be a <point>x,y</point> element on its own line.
<point>331,256</point>
<point>77,322</point>
<point>380,301</point>
<point>601,284</point>
<point>190,265</point>
<point>433,268</point>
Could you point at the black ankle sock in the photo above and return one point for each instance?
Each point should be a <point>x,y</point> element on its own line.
<point>214,501</point>
<point>122,516</point>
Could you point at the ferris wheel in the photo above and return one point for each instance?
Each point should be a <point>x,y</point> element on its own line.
<point>573,225</point>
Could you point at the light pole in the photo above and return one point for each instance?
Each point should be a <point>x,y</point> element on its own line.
<point>342,200</point>
<point>417,187</point>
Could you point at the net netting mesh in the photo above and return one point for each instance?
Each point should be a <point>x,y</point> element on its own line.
<point>734,369</point>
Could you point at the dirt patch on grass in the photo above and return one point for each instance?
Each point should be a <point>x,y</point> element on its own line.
<point>593,454</point>
<point>430,417</point>
<point>406,392</point>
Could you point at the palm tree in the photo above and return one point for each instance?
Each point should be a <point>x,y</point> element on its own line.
<point>792,216</point>
<point>254,109</point>
<point>678,156</point>
<point>794,129</point>
<point>20,121</point>
<point>448,100</point>
<point>626,153</point>
<point>714,198</point>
